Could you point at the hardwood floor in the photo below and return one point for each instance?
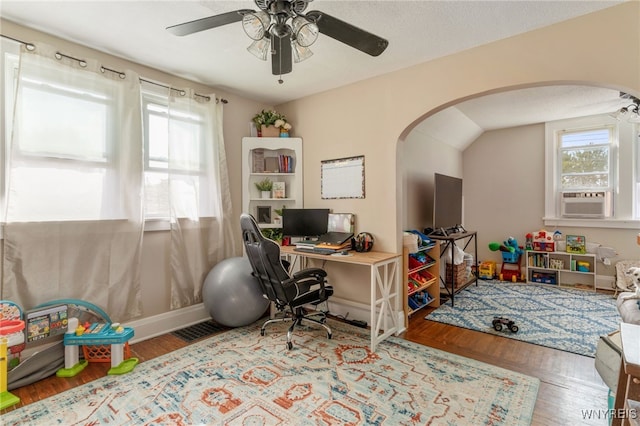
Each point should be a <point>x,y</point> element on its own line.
<point>569,382</point>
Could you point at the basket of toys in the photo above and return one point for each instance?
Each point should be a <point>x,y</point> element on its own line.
<point>102,353</point>
<point>457,273</point>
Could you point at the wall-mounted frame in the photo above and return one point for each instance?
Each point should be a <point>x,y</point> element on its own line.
<point>263,214</point>
<point>342,178</point>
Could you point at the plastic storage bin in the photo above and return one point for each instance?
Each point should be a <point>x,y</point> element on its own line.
<point>509,257</point>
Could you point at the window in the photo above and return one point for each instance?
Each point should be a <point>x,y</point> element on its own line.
<point>585,160</point>
<point>73,157</point>
<point>174,172</point>
<point>592,154</point>
<point>64,137</point>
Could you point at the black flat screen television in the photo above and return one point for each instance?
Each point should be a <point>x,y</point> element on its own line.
<point>447,202</point>
<point>305,223</point>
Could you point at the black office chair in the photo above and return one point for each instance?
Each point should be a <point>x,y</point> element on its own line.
<point>288,292</point>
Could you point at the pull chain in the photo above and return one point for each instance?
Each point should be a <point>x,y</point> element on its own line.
<point>280,80</point>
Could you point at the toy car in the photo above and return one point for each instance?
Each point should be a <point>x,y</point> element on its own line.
<point>498,323</point>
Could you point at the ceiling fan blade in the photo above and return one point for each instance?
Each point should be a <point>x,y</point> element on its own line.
<point>346,33</point>
<point>281,60</point>
<point>207,23</point>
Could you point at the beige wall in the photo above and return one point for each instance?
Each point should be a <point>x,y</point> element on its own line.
<point>237,115</point>
<point>504,186</point>
<point>372,117</point>
<point>504,193</point>
<point>417,163</point>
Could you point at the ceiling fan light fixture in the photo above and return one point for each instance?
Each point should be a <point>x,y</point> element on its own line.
<point>280,30</point>
<point>305,31</point>
<point>260,48</point>
<point>255,24</point>
<point>300,53</point>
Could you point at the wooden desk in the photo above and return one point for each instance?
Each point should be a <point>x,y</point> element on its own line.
<point>385,286</point>
<point>626,409</point>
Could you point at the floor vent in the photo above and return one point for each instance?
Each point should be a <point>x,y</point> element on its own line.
<point>198,331</point>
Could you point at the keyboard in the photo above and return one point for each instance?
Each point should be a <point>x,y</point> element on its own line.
<point>316,250</point>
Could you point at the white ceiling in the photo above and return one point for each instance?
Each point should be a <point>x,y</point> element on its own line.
<point>418,31</point>
<point>463,123</point>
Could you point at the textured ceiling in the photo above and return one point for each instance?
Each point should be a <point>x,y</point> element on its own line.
<point>461,124</point>
<point>418,31</point>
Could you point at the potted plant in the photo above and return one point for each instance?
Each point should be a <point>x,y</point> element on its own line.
<point>264,186</point>
<point>274,234</point>
<point>271,123</point>
<point>278,219</point>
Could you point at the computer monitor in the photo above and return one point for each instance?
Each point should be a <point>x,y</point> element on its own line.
<point>305,223</point>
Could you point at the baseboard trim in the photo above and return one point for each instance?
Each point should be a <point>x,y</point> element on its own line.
<point>605,282</point>
<point>156,325</point>
<point>349,309</point>
<point>358,311</point>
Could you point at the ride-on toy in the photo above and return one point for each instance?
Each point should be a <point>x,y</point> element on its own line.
<point>499,322</point>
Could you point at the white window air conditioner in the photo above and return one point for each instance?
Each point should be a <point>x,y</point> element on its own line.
<point>586,204</point>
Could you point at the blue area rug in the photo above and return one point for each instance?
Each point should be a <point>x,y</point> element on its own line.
<point>561,318</point>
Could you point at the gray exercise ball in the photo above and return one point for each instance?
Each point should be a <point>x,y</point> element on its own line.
<point>231,295</point>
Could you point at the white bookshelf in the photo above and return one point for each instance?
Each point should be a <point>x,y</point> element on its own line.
<point>275,149</point>
<point>561,268</point>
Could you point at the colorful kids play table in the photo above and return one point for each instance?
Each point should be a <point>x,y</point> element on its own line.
<point>96,334</point>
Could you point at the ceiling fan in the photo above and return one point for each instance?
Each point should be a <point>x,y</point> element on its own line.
<point>281,28</point>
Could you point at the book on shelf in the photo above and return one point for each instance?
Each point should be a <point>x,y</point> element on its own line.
<point>258,160</point>
<point>271,165</point>
<point>279,164</point>
<point>286,164</point>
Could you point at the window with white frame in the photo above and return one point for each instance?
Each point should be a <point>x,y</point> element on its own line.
<point>67,142</point>
<point>585,159</point>
<point>591,156</point>
<point>52,159</point>
<point>164,163</point>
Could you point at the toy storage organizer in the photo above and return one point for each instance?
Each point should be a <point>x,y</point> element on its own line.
<point>421,271</point>
<point>449,245</point>
<point>102,353</point>
<point>561,268</point>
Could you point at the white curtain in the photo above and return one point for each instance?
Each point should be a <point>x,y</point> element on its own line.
<point>199,197</point>
<point>74,216</point>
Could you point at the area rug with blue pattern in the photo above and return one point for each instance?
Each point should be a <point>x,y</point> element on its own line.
<point>239,377</point>
<point>567,319</point>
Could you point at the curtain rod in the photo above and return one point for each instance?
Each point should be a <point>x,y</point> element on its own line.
<point>29,46</point>
<point>83,63</point>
